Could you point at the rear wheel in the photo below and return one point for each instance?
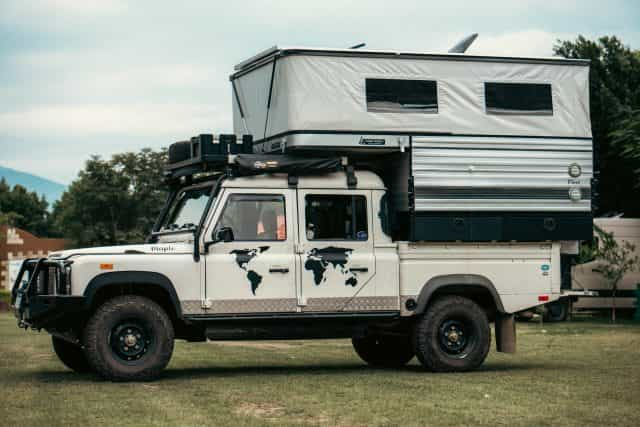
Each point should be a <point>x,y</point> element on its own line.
<point>70,354</point>
<point>387,351</point>
<point>129,338</point>
<point>453,335</point>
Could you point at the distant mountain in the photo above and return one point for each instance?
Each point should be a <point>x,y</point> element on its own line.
<point>50,189</point>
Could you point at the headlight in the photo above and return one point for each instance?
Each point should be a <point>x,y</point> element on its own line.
<point>574,170</point>
<point>575,194</point>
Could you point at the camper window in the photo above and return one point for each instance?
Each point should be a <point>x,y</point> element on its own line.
<point>518,98</point>
<point>401,96</point>
<point>336,217</point>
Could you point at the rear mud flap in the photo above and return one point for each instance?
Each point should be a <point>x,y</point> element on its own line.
<point>505,333</point>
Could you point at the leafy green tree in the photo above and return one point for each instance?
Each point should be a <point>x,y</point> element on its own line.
<point>23,209</point>
<point>113,201</point>
<point>614,83</point>
<point>627,139</point>
<point>616,260</point>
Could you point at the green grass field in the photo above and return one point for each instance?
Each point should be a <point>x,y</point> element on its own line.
<point>580,373</point>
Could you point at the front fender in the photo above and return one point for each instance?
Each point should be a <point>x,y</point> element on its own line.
<point>136,278</point>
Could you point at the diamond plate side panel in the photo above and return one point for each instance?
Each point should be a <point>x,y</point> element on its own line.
<point>231,306</point>
<point>351,304</point>
<point>192,307</point>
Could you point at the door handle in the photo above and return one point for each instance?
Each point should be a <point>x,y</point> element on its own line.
<point>359,269</point>
<point>278,270</point>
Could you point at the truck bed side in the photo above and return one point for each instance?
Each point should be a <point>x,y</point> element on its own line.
<point>519,275</point>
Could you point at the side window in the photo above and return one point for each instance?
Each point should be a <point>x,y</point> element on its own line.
<point>336,217</point>
<point>401,96</point>
<point>255,217</point>
<point>518,98</point>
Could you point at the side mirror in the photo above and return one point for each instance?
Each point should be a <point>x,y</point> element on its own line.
<point>224,234</point>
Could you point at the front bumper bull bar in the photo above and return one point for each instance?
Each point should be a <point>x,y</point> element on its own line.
<point>40,294</point>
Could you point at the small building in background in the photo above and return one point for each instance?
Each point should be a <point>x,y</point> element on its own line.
<point>16,245</point>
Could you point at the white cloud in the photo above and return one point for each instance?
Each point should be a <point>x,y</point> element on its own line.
<point>114,120</point>
<point>522,43</point>
<point>27,10</point>
<point>104,75</point>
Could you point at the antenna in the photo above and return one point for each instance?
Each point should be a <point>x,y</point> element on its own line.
<point>358,46</point>
<point>463,45</point>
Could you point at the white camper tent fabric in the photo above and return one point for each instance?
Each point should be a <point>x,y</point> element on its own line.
<point>327,93</point>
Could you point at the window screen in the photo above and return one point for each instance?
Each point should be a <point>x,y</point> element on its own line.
<point>401,96</point>
<point>518,98</point>
<point>255,217</point>
<point>332,217</point>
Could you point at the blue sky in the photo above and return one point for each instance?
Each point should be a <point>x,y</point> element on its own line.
<point>97,77</point>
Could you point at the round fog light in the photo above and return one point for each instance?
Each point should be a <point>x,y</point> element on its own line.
<point>575,194</point>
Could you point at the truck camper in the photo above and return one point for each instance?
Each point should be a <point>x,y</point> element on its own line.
<point>403,200</point>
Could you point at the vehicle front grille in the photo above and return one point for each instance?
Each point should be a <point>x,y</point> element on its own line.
<point>45,277</point>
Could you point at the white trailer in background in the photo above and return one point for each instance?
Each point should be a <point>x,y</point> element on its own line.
<point>584,276</point>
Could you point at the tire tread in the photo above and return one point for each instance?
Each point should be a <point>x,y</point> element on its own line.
<point>93,330</point>
<point>427,349</point>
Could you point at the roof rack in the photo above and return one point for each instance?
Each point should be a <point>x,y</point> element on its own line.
<point>206,154</point>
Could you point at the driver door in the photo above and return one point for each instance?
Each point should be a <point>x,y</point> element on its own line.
<point>254,272</point>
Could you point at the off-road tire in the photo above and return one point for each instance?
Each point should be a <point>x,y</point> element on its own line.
<point>431,342</point>
<point>125,310</point>
<point>71,355</point>
<point>387,351</point>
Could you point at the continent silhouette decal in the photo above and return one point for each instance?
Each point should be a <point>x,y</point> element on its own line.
<point>319,259</point>
<point>243,259</point>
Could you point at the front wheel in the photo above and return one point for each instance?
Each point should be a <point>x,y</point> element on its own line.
<point>129,338</point>
<point>452,336</point>
<point>70,354</point>
<point>386,351</point>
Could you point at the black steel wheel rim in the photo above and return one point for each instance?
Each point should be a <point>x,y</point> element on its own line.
<point>456,337</point>
<point>130,341</point>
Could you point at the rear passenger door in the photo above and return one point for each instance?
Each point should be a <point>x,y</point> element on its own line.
<point>335,249</point>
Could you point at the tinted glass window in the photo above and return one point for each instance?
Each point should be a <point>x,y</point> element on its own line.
<point>401,96</point>
<point>331,217</point>
<point>187,208</point>
<point>255,217</point>
<point>518,98</point>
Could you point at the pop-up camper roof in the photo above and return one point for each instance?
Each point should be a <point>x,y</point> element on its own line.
<point>293,91</point>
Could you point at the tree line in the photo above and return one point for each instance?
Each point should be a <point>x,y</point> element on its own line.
<point>116,201</point>
<point>111,202</point>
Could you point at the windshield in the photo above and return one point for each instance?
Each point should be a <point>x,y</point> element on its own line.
<point>187,208</point>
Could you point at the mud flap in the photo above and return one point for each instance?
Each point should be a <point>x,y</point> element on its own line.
<point>505,333</point>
